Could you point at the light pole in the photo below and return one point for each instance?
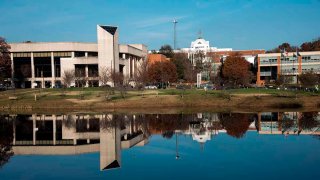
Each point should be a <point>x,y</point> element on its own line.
<point>174,34</point>
<point>177,150</point>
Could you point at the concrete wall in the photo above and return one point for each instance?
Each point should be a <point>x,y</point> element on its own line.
<point>53,46</point>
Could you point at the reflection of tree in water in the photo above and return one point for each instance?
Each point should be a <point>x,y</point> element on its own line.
<point>108,122</point>
<point>235,124</point>
<point>69,121</point>
<point>166,124</point>
<point>317,137</point>
<point>286,123</point>
<point>308,120</point>
<point>140,121</point>
<point>167,134</point>
<point>6,137</point>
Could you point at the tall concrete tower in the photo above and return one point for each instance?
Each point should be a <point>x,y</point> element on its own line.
<point>108,47</point>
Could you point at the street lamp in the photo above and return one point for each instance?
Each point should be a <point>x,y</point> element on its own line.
<point>177,150</point>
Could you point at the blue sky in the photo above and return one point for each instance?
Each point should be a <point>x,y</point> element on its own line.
<point>245,24</point>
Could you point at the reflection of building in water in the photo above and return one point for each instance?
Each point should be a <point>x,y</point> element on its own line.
<point>289,123</point>
<point>77,134</point>
<point>207,125</point>
<point>203,127</point>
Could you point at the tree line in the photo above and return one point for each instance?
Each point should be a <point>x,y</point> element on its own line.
<point>313,45</point>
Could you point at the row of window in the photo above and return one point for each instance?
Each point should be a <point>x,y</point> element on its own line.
<point>56,54</point>
<point>310,57</point>
<point>21,54</point>
<point>290,59</point>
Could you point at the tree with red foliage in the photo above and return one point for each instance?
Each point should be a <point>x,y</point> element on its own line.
<point>284,46</point>
<point>6,138</point>
<point>236,71</point>
<point>162,72</point>
<point>5,61</point>
<point>311,46</point>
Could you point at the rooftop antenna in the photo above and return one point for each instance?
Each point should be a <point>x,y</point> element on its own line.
<point>174,34</point>
<point>200,34</point>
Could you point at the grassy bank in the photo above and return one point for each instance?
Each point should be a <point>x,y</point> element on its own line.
<point>99,99</point>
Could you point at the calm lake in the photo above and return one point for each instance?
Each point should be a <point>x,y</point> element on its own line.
<point>266,145</point>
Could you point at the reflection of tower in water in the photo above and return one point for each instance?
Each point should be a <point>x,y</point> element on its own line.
<point>110,146</point>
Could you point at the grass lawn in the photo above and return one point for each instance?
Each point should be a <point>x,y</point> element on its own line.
<point>99,97</point>
<point>98,92</point>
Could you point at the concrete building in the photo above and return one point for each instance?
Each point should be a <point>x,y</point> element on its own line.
<point>38,64</point>
<point>271,65</point>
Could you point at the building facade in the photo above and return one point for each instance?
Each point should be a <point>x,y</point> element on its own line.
<point>42,65</point>
<point>213,57</point>
<point>271,66</point>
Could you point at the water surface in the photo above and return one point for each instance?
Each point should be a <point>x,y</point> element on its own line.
<point>268,145</point>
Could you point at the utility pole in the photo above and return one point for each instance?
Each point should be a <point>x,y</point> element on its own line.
<point>174,34</point>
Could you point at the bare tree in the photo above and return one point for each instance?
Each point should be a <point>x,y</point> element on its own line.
<point>68,77</point>
<point>199,57</point>
<point>190,74</point>
<point>104,76</point>
<point>120,82</point>
<point>283,80</point>
<point>141,75</point>
<point>80,80</point>
<point>80,77</point>
<point>309,79</point>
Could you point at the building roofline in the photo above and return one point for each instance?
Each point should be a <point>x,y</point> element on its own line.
<point>250,50</point>
<point>289,54</point>
<point>52,42</point>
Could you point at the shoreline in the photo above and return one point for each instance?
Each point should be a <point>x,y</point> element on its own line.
<point>169,103</point>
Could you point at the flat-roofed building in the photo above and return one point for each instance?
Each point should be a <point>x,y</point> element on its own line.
<point>42,64</point>
<point>271,66</point>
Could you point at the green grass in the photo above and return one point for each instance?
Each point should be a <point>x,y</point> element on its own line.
<point>94,92</point>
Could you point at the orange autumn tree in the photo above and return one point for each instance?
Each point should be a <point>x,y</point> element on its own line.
<point>162,72</point>
<point>236,71</point>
